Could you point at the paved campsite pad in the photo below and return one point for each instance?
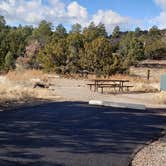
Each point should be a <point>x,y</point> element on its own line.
<point>75,134</point>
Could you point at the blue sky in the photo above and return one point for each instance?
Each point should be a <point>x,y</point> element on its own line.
<point>128,14</point>
<point>133,8</point>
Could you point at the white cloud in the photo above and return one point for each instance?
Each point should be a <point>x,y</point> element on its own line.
<point>33,11</point>
<point>77,13</point>
<point>23,11</point>
<point>56,11</point>
<point>160,20</point>
<point>110,19</point>
<point>161,3</point>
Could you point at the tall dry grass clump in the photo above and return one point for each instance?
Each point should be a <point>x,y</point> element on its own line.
<point>18,86</point>
<point>17,94</point>
<point>25,75</point>
<point>10,91</point>
<point>13,93</point>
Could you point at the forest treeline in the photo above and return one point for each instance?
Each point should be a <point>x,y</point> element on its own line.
<point>89,48</point>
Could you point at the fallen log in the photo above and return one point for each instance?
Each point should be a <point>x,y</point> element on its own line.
<point>40,85</point>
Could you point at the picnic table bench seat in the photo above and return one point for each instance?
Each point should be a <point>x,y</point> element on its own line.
<point>100,84</point>
<point>114,86</point>
<point>128,87</point>
<point>103,86</point>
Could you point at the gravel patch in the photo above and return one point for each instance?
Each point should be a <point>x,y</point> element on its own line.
<point>152,155</point>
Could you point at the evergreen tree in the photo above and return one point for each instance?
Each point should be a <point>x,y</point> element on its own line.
<point>9,61</point>
<point>75,43</point>
<point>137,31</point>
<point>60,33</point>
<point>76,28</point>
<point>131,49</point>
<point>2,22</point>
<point>154,32</point>
<point>43,32</point>
<point>92,32</point>
<point>98,56</point>
<point>116,32</point>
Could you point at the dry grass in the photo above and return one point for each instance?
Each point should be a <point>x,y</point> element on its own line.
<point>11,91</point>
<point>18,87</point>
<point>16,94</point>
<point>134,79</point>
<point>160,98</point>
<point>145,87</point>
<point>126,77</point>
<point>25,75</point>
<point>140,84</point>
<point>155,73</point>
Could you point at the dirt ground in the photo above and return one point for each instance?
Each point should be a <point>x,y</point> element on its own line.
<point>16,87</point>
<point>77,90</point>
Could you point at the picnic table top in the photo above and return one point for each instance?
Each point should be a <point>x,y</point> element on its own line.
<point>109,80</point>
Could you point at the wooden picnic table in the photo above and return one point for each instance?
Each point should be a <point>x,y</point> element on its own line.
<point>112,83</point>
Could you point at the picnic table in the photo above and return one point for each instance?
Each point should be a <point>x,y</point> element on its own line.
<point>109,83</point>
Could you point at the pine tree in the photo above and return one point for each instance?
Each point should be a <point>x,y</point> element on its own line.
<point>9,61</point>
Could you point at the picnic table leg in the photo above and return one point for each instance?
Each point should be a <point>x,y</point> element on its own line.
<point>114,89</point>
<point>96,86</point>
<point>128,89</point>
<point>102,91</point>
<point>121,86</point>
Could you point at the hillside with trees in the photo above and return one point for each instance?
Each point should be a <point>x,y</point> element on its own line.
<point>90,48</point>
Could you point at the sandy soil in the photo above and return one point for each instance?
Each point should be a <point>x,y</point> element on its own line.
<point>77,90</point>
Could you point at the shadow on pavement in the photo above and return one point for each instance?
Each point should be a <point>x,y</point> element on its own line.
<point>37,163</point>
<point>69,133</point>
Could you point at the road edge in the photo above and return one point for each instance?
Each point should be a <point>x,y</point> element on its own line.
<point>117,104</point>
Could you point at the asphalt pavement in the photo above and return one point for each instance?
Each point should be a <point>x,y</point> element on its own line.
<point>75,134</point>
